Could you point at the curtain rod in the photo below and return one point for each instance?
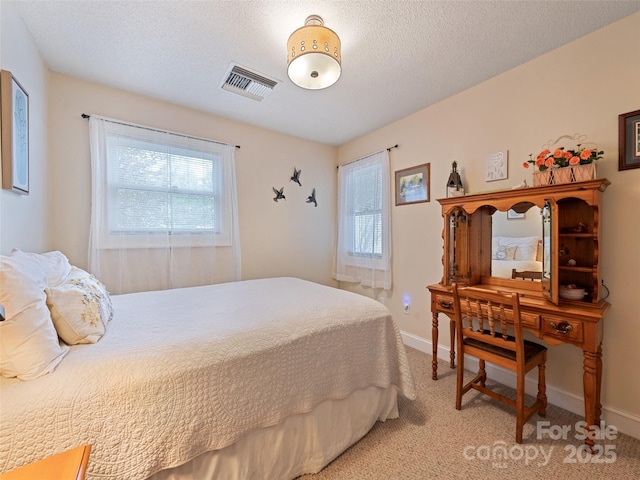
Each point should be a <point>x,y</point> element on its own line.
<point>366,156</point>
<point>85,116</point>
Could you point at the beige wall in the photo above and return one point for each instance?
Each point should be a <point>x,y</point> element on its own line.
<point>23,218</point>
<point>290,237</point>
<point>581,87</point>
<point>286,238</point>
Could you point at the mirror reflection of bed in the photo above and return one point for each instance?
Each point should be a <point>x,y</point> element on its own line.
<point>517,246</point>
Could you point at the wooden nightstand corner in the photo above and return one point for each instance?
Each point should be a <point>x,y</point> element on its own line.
<point>69,465</point>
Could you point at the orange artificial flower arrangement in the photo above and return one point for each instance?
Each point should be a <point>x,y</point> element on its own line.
<point>563,158</point>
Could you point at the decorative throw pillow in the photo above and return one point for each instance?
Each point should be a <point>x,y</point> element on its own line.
<point>29,345</point>
<point>504,252</point>
<point>80,307</point>
<point>55,264</point>
<point>526,247</point>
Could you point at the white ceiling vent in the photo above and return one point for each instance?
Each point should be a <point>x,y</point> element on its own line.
<point>249,84</point>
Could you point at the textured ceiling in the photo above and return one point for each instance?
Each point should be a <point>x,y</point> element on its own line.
<point>398,57</point>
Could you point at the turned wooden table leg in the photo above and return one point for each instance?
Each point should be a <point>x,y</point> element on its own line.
<point>598,412</point>
<point>434,340</point>
<point>452,341</point>
<point>591,381</point>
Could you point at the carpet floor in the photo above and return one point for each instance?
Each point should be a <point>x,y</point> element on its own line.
<point>433,440</point>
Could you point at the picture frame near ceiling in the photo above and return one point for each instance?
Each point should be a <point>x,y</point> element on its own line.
<point>412,185</point>
<point>629,140</point>
<point>14,118</point>
<point>497,166</point>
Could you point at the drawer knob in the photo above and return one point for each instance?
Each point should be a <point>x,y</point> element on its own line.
<point>562,327</point>
<point>446,305</point>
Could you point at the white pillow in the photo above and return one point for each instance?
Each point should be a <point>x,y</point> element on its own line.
<point>80,307</point>
<point>526,247</point>
<point>505,252</point>
<point>55,264</point>
<point>29,345</point>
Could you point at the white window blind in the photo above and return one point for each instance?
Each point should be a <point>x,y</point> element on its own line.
<point>154,183</point>
<point>160,188</point>
<point>365,190</point>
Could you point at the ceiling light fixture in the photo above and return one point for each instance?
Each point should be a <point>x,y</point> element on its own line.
<point>314,55</point>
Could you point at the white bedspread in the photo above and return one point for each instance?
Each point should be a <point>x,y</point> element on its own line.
<point>183,371</point>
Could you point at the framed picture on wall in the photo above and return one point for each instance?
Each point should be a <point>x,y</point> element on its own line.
<point>629,140</point>
<point>496,166</point>
<point>412,185</point>
<point>15,134</point>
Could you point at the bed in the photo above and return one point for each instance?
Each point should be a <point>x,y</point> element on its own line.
<point>504,268</point>
<point>265,378</point>
<point>519,253</point>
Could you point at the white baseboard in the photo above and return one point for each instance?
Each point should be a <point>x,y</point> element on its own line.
<point>625,422</point>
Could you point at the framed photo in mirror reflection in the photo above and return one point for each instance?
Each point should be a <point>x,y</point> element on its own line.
<point>513,215</point>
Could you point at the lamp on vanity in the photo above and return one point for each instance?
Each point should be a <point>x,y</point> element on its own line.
<point>313,55</point>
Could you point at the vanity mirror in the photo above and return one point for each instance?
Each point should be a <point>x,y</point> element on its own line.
<point>516,245</point>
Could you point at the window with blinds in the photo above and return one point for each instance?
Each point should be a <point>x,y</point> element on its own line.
<point>153,188</point>
<point>365,193</point>
<point>161,187</point>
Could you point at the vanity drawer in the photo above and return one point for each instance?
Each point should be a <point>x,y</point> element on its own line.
<point>443,302</point>
<point>562,328</point>
<point>530,320</point>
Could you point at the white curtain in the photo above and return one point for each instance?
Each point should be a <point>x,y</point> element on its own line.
<point>363,251</point>
<point>164,210</point>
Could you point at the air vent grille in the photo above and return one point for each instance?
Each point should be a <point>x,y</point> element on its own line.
<point>247,83</point>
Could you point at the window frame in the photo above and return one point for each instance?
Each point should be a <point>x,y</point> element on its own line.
<point>172,145</point>
<point>365,259</point>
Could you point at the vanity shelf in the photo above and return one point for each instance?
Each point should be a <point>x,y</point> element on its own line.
<point>576,269</point>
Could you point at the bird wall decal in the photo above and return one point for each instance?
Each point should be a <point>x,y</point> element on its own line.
<point>312,198</point>
<point>279,194</point>
<point>296,176</point>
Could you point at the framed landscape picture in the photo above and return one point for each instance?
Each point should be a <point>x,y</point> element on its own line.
<point>412,185</point>
<point>15,134</point>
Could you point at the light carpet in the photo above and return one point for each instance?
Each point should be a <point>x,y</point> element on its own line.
<point>433,440</point>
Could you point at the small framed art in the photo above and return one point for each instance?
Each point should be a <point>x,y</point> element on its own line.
<point>14,101</point>
<point>629,140</point>
<point>496,166</point>
<point>412,185</point>
<point>512,214</point>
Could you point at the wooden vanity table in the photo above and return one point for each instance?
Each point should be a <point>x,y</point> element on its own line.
<point>569,225</point>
